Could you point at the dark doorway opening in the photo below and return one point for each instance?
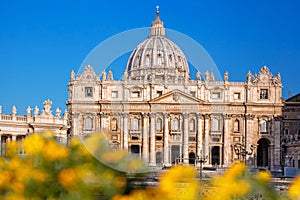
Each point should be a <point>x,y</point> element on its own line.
<point>192,158</point>
<point>215,155</point>
<point>263,152</point>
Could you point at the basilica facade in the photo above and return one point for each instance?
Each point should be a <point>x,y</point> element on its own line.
<point>159,113</point>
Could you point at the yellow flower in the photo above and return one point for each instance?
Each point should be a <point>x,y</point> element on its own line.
<point>180,183</point>
<point>294,189</point>
<point>264,176</point>
<point>113,156</point>
<point>5,177</point>
<point>17,186</point>
<point>39,175</point>
<point>48,134</point>
<point>230,185</point>
<point>69,178</point>
<point>53,151</point>
<point>14,196</point>
<point>34,144</point>
<point>12,148</point>
<point>120,181</point>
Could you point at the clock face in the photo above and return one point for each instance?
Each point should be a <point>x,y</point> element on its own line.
<point>264,79</point>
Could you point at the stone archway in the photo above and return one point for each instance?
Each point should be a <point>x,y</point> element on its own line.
<point>263,157</point>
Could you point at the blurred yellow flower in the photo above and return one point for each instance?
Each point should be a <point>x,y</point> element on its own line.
<point>5,177</point>
<point>113,156</point>
<point>14,196</point>
<point>53,151</point>
<point>69,178</point>
<point>294,189</point>
<point>229,185</point>
<point>264,176</point>
<point>180,183</point>
<point>34,144</point>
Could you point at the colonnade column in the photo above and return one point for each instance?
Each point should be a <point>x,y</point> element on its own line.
<point>227,148</point>
<point>145,137</point>
<point>199,135</point>
<point>166,140</point>
<point>152,139</point>
<point>185,138</point>
<point>125,131</point>
<point>206,130</point>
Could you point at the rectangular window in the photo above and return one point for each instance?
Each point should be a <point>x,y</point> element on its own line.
<point>114,94</point>
<point>237,96</point>
<point>135,94</point>
<point>88,92</point>
<point>193,93</point>
<point>192,139</point>
<point>264,94</point>
<point>158,138</point>
<point>216,95</point>
<point>159,93</point>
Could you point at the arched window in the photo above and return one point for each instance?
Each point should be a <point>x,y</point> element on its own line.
<point>135,124</point>
<point>88,123</point>
<point>192,125</point>
<point>263,126</point>
<point>114,124</point>
<point>159,124</point>
<point>286,131</point>
<point>215,124</point>
<point>236,126</point>
<point>175,124</point>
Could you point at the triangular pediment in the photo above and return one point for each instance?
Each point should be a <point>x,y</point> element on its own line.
<point>176,96</point>
<point>88,74</point>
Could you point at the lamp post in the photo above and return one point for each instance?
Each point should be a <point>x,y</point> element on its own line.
<point>201,161</point>
<point>240,149</point>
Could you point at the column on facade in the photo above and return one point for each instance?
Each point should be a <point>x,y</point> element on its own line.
<point>152,139</point>
<point>227,141</point>
<point>277,146</point>
<point>199,135</point>
<point>145,137</point>
<point>206,135</point>
<point>166,140</point>
<point>185,138</point>
<point>125,131</point>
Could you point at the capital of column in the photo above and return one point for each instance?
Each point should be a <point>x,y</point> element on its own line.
<point>206,116</point>
<point>152,114</point>
<point>185,115</point>
<point>125,115</point>
<point>199,115</point>
<point>144,115</point>
<point>166,115</point>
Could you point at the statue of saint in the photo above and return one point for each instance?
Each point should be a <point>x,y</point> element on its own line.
<point>249,76</point>
<point>226,77</point>
<point>28,110</point>
<point>58,111</point>
<point>36,111</point>
<point>14,110</point>
<point>104,76</point>
<point>198,76</point>
<point>72,75</point>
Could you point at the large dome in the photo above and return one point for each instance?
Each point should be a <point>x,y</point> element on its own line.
<point>157,58</point>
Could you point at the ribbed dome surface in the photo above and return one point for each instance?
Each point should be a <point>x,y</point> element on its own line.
<point>157,58</point>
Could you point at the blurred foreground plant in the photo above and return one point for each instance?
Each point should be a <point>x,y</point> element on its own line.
<point>88,169</point>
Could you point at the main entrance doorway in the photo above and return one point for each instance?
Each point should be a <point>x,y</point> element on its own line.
<point>263,152</point>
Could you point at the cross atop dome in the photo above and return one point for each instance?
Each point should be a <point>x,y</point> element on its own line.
<point>157,27</point>
<point>157,11</point>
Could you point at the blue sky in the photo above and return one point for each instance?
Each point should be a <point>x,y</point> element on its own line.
<point>42,41</point>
